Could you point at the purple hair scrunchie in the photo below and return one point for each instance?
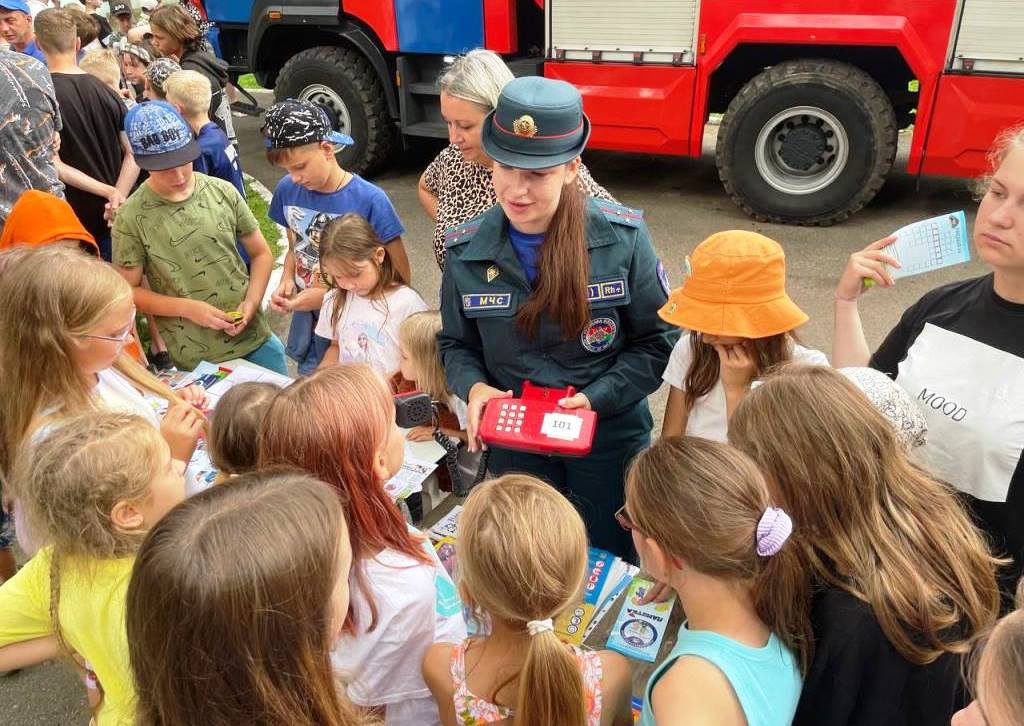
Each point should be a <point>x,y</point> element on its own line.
<point>773,530</point>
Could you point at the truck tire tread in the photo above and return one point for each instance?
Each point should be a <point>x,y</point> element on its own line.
<point>842,75</point>
<point>381,137</point>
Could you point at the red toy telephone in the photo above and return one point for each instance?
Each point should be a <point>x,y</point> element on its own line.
<point>536,423</point>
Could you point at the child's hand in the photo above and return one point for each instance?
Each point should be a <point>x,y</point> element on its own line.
<point>736,365</point>
<point>658,592</point>
<point>280,299</point>
<point>420,433</point>
<point>868,264</point>
<point>180,428</point>
<point>114,200</point>
<point>312,298</point>
<point>194,395</point>
<point>207,315</point>
<point>248,310</point>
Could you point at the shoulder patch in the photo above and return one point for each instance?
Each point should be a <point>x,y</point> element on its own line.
<point>462,233</point>
<point>619,214</point>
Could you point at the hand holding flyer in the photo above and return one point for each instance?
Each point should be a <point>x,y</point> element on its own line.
<point>930,244</point>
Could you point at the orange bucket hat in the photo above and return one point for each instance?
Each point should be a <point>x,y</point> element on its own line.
<point>39,218</point>
<point>735,286</point>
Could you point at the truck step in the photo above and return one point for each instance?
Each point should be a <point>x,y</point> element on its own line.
<point>433,129</point>
<point>423,88</point>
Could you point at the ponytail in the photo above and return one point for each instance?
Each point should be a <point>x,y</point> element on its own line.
<point>563,270</point>
<point>522,561</point>
<point>723,526</point>
<point>781,593</point>
<point>550,684</point>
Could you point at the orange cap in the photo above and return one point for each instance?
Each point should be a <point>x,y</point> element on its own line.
<point>38,218</point>
<point>735,286</point>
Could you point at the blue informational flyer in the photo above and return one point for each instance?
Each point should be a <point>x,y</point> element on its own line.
<point>930,244</point>
<point>639,629</point>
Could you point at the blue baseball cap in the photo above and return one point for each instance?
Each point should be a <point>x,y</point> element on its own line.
<point>20,5</point>
<point>159,136</point>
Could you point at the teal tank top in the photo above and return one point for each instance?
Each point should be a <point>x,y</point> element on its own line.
<point>766,680</point>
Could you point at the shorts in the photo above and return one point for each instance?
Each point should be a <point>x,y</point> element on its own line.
<point>6,530</point>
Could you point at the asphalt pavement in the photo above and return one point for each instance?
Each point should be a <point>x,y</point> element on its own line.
<point>683,203</point>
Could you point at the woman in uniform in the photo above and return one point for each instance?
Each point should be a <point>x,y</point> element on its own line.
<point>457,185</point>
<point>558,289</point>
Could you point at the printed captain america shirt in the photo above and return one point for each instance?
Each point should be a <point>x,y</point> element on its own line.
<point>29,121</point>
<point>959,353</point>
<point>306,213</point>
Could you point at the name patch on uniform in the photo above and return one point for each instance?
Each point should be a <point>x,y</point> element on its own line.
<point>481,301</point>
<point>611,290</point>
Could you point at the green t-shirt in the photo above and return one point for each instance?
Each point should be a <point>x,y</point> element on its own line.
<point>187,249</point>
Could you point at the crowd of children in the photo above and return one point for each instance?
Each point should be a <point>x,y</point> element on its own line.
<point>827,573</point>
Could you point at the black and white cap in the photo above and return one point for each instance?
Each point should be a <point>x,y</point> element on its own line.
<point>294,122</point>
<point>120,8</point>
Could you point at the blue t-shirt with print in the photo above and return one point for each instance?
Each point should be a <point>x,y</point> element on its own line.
<point>218,157</point>
<point>306,213</point>
<point>527,248</point>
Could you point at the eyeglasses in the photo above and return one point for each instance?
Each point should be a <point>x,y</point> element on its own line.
<point>624,520</point>
<point>122,338</point>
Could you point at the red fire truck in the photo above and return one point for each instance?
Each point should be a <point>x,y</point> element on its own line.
<point>812,93</point>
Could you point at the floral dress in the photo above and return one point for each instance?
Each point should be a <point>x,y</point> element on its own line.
<point>471,710</point>
<point>464,190</point>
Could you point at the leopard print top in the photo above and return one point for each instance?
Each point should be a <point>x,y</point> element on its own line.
<point>464,190</point>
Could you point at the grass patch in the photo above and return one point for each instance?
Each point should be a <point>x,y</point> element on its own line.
<point>249,82</point>
<point>268,227</point>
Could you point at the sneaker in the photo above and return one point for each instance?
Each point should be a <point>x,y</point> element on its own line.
<point>161,361</point>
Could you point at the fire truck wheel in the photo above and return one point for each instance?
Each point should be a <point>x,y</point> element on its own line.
<point>343,83</point>
<point>806,142</point>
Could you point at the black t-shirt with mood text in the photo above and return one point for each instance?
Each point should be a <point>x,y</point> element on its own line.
<point>90,141</point>
<point>959,352</point>
<point>858,678</point>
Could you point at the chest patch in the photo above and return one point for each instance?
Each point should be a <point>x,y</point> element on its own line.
<point>609,290</point>
<point>599,334</point>
<point>484,301</point>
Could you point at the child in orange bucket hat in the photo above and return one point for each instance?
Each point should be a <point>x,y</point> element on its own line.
<point>739,322</point>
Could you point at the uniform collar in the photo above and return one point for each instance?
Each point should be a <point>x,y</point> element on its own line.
<point>490,240</point>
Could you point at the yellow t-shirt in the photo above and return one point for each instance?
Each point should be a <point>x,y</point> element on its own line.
<point>92,620</point>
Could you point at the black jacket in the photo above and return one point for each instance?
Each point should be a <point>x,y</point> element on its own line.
<point>214,69</point>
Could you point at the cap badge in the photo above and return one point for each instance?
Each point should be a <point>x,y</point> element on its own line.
<point>524,126</point>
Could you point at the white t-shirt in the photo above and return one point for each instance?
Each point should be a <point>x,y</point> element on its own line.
<point>708,418</point>
<point>115,393</point>
<point>367,330</point>
<point>417,605</point>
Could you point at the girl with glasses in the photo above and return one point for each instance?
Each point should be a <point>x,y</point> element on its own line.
<point>63,330</point>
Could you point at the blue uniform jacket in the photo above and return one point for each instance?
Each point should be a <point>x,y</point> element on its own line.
<point>616,361</point>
